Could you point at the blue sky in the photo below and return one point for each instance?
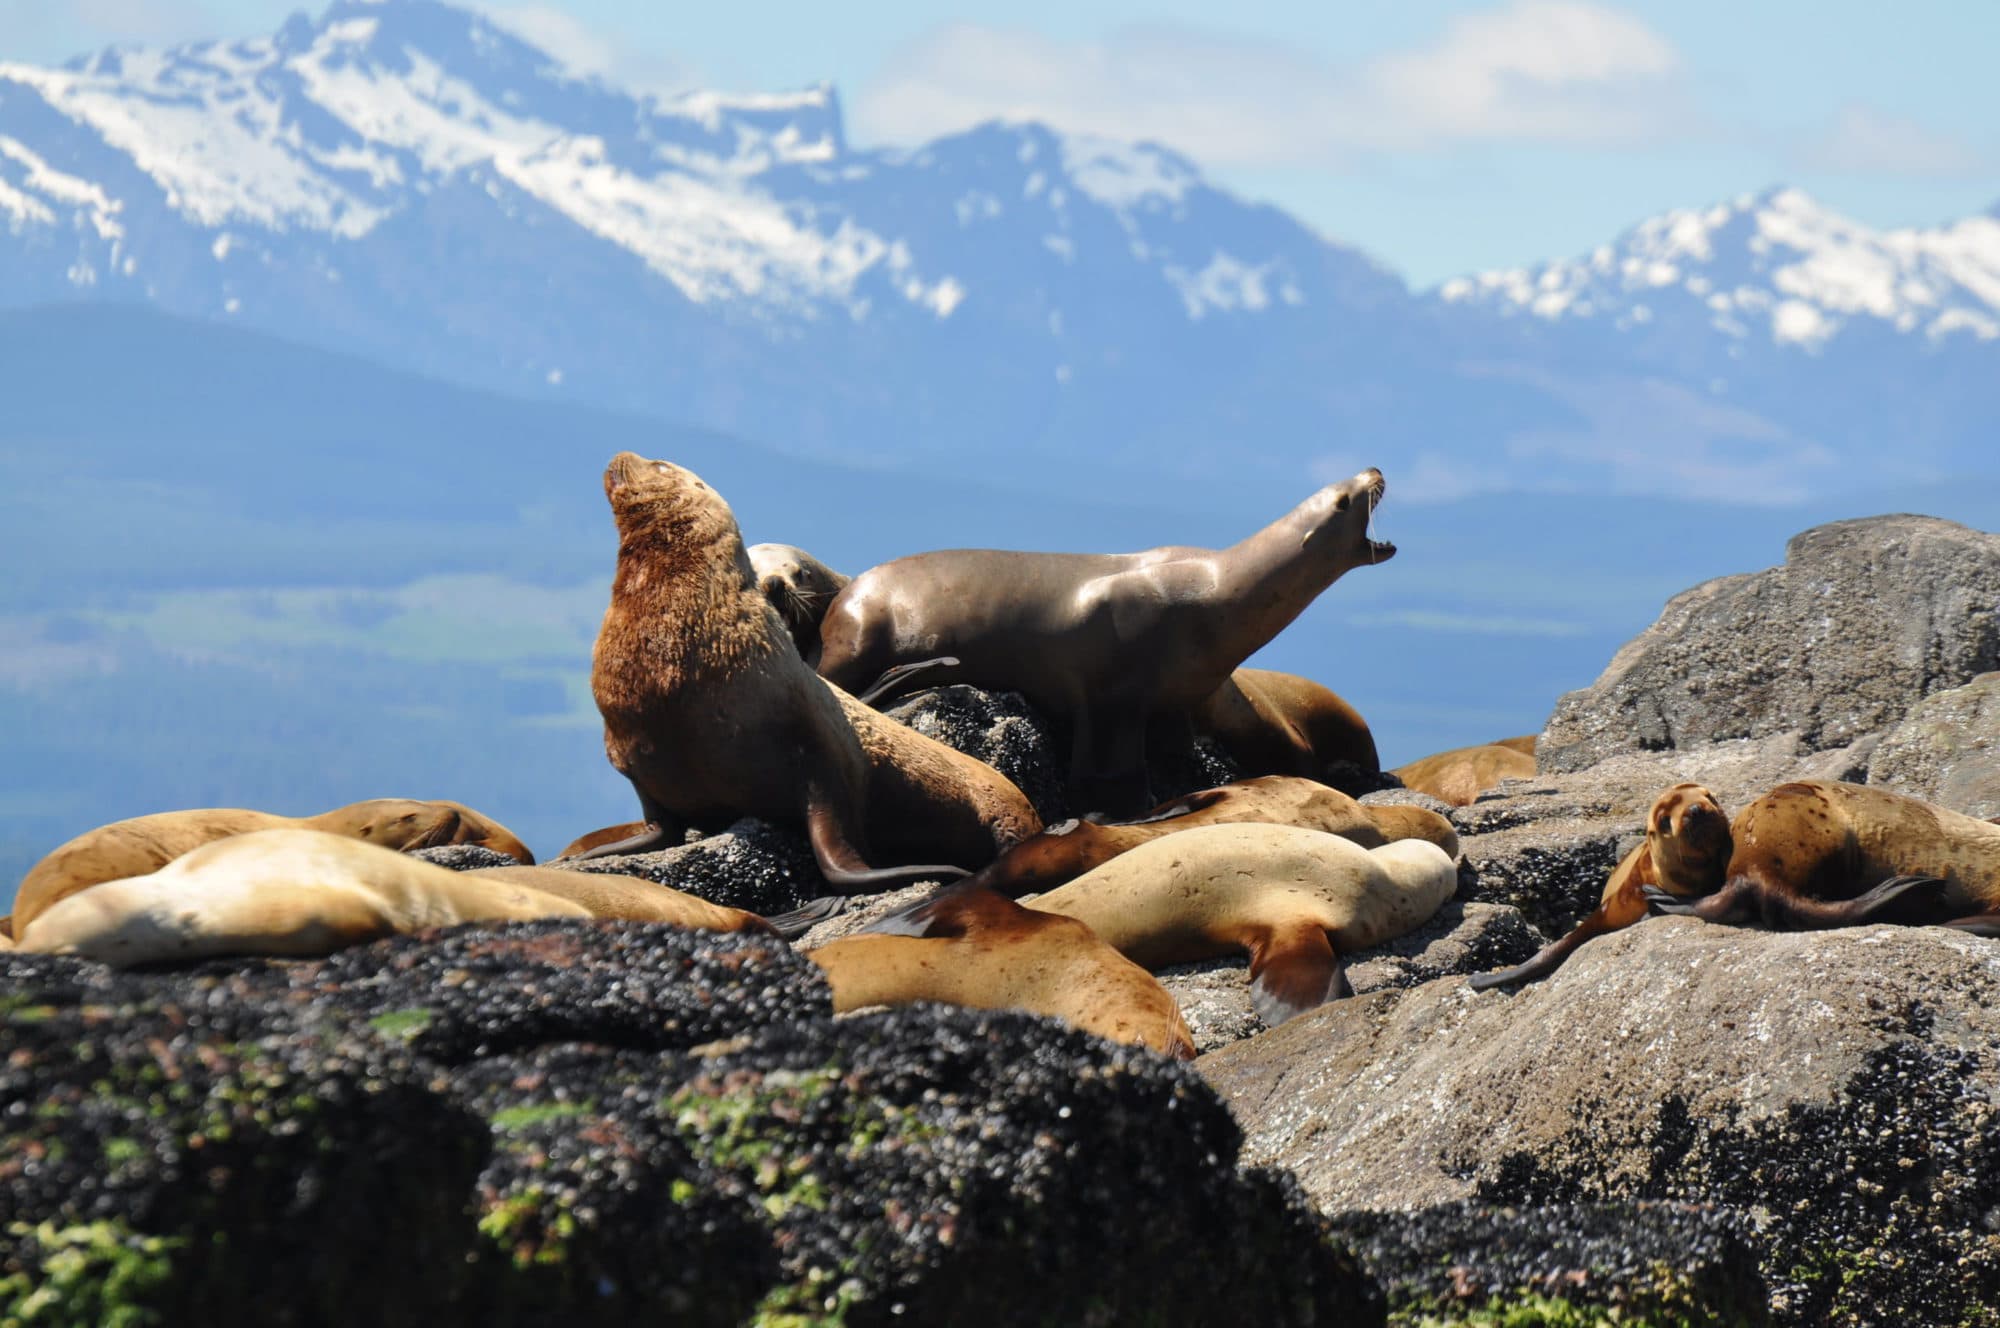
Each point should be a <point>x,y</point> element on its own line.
<point>1439,137</point>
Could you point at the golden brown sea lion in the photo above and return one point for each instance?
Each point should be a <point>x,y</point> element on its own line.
<point>1061,853</point>
<point>799,586</point>
<point>1526,743</point>
<point>1107,642</point>
<point>1294,899</point>
<point>632,898</point>
<point>275,892</point>
<point>980,950</point>
<point>1459,776</point>
<point>712,715</point>
<point>1274,723</point>
<point>1685,854</point>
<point>144,844</point>
<point>1819,853</point>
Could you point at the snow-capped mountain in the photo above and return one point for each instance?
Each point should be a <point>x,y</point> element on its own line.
<point>407,180</point>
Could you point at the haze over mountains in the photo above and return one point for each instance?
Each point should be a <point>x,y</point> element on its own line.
<point>312,348</point>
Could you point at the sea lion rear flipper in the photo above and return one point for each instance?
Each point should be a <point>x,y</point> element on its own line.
<point>952,912</point>
<point>650,840</point>
<point>1897,894</point>
<point>1620,911</point>
<point>846,870</point>
<point>806,916</point>
<point>441,832</point>
<point>1174,810</point>
<point>1293,969</point>
<point>902,678</point>
<point>1980,924</point>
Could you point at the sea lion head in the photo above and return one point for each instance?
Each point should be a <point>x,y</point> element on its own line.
<point>411,823</point>
<point>1689,837</point>
<point>660,506</point>
<point>1339,515</point>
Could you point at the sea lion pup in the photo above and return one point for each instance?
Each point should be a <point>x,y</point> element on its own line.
<point>1275,723</point>
<point>1685,853</point>
<point>628,898</point>
<point>799,586</point>
<point>1105,642</point>
<point>977,949</point>
<point>1061,853</point>
<point>1295,899</point>
<point>144,844</point>
<point>1820,853</point>
<point>1459,776</point>
<point>712,715</point>
<point>276,892</point>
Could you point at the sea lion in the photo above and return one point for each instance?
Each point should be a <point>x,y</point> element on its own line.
<point>799,586</point>
<point>1275,723</point>
<point>980,950</point>
<point>1820,853</point>
<point>1105,642</point>
<point>631,898</point>
<point>1459,776</point>
<point>1061,853</point>
<point>609,834</point>
<point>1524,743</point>
<point>275,892</point>
<point>710,712</point>
<point>145,844</point>
<point>1295,899</point>
<point>1685,853</point>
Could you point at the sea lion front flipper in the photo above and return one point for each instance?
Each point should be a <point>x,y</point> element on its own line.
<point>952,912</point>
<point>806,916</point>
<point>895,681</point>
<point>1174,809</point>
<point>652,839</point>
<point>1665,903</point>
<point>1293,969</point>
<point>1980,924</point>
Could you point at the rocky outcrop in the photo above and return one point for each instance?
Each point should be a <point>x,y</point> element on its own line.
<point>1947,749</point>
<point>1864,619</point>
<point>606,1123</point>
<point>1835,1088</point>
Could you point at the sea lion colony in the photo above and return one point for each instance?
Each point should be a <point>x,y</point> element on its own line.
<point>704,673</point>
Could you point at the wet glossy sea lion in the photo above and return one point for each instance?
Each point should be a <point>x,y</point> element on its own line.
<point>1106,642</point>
<point>1820,853</point>
<point>144,844</point>
<point>799,586</point>
<point>1275,723</point>
<point>978,949</point>
<point>1061,853</point>
<point>1685,854</point>
<point>1459,776</point>
<point>712,715</point>
<point>631,898</point>
<point>1294,899</point>
<point>275,892</point>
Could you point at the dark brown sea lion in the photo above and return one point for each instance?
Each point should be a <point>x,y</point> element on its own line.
<point>1820,853</point>
<point>799,586</point>
<point>144,844</point>
<point>1064,852</point>
<point>1459,776</point>
<point>712,715</point>
<point>1685,855</point>
<point>980,950</point>
<point>275,892</point>
<point>1274,723</point>
<point>1103,641</point>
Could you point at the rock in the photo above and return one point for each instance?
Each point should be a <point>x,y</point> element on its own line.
<point>1864,619</point>
<point>1837,1086</point>
<point>753,865</point>
<point>1396,795</point>
<point>1643,1262</point>
<point>1947,749</point>
<point>464,857</point>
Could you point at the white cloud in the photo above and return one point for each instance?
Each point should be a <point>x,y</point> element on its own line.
<point>623,63</point>
<point>1551,71</point>
<point>1865,141</point>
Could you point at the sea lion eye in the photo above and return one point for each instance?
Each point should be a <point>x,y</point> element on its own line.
<point>1666,823</point>
<point>1340,503</point>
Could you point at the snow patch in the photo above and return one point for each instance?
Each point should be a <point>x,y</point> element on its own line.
<point>1123,176</point>
<point>1225,285</point>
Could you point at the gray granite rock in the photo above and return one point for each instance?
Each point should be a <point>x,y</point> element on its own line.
<point>1838,1087</point>
<point>1947,749</point>
<point>1864,619</point>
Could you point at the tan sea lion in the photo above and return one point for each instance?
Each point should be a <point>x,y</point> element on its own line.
<point>1061,853</point>
<point>799,586</point>
<point>1459,776</point>
<point>145,844</point>
<point>1820,853</point>
<point>1685,854</point>
<point>1294,899</point>
<point>275,892</point>
<point>1106,642</point>
<point>1525,743</point>
<point>1274,723</point>
<point>980,950</point>
<point>631,898</point>
<point>712,715</point>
